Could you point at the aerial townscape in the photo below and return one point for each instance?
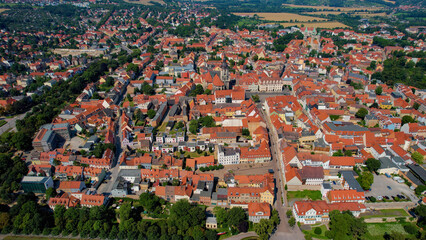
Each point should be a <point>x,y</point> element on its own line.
<point>213,119</point>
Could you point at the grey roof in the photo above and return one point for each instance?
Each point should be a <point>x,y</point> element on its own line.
<point>356,75</point>
<point>418,171</point>
<point>48,135</point>
<point>93,139</point>
<point>413,178</point>
<point>211,220</point>
<point>387,163</point>
<point>326,185</point>
<point>130,172</point>
<point>34,179</point>
<point>227,151</point>
<point>160,110</point>
<point>340,126</point>
<point>370,117</point>
<point>352,182</point>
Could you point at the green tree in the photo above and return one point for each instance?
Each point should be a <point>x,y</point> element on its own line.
<point>365,180</point>
<point>183,216</point>
<point>417,157</point>
<point>407,119</point>
<point>236,215</point>
<point>420,211</point>
<point>420,189</point>
<point>59,215</point>
<point>362,112</point>
<point>132,67</point>
<point>379,90</point>
<point>151,113</point>
<point>125,212</point>
<point>343,225</point>
<point>207,121</point>
<point>50,192</point>
<point>338,153</point>
<point>197,91</point>
<point>263,229</point>
<point>348,153</point>
<point>193,126</point>
<point>289,213</point>
<point>255,98</point>
<point>416,105</point>
<point>245,132</point>
<point>318,231</point>
<point>373,164</point>
<point>150,202</point>
<point>292,222</point>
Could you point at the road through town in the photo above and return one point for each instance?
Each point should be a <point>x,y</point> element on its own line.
<point>283,231</point>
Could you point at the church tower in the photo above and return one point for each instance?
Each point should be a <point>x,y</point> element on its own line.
<point>224,72</point>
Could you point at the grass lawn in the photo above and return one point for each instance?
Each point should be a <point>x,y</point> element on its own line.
<point>251,238</point>
<point>389,213</point>
<point>163,126</point>
<point>313,195</point>
<point>312,233</point>
<point>195,154</point>
<point>2,122</point>
<point>377,230</point>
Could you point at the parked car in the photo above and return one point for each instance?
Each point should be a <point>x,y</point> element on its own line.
<point>386,197</point>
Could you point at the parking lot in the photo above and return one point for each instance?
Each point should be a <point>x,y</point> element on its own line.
<point>380,188</point>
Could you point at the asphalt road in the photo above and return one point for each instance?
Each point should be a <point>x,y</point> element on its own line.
<point>11,123</point>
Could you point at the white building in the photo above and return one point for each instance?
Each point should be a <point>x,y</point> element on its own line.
<point>311,212</point>
<point>227,156</point>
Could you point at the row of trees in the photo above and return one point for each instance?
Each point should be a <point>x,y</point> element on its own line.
<point>185,221</point>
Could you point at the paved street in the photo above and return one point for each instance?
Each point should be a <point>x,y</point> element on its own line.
<point>11,123</point>
<point>283,231</point>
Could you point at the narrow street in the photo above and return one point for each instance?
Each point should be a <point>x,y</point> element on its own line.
<point>283,231</point>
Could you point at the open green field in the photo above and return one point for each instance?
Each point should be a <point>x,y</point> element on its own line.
<point>388,213</point>
<point>313,195</point>
<point>377,230</point>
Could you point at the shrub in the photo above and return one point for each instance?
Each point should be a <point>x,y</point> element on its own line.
<point>308,237</point>
<point>46,231</point>
<point>318,231</point>
<point>288,213</point>
<point>56,231</point>
<point>410,229</point>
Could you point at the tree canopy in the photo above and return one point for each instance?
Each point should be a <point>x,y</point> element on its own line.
<point>373,164</point>
<point>344,226</point>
